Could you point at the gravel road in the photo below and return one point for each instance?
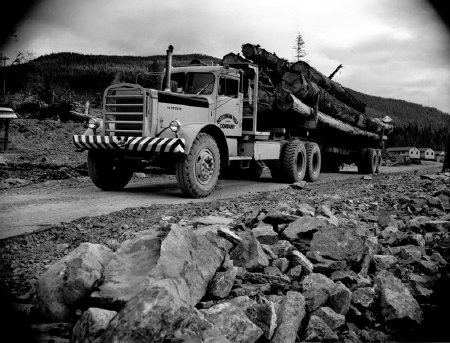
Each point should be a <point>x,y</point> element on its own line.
<point>39,206</point>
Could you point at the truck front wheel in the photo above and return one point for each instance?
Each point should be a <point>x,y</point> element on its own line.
<point>107,172</point>
<point>197,173</point>
<point>313,161</point>
<point>293,161</point>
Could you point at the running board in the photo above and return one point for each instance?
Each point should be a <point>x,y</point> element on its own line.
<point>240,158</point>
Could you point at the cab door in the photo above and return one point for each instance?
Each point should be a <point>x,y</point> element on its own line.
<point>229,106</point>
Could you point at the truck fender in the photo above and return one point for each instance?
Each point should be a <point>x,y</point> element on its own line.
<point>190,131</point>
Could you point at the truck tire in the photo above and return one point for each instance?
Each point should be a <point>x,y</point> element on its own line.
<point>379,160</point>
<point>197,173</point>
<point>293,162</point>
<point>368,163</point>
<point>106,172</point>
<point>313,161</point>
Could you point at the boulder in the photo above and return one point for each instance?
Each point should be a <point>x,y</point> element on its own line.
<point>282,264</point>
<point>282,248</point>
<point>290,315</point>
<point>229,235</point>
<point>339,244</point>
<point>187,264</point>
<point>91,325</point>
<point>363,296</point>
<point>127,273</point>
<point>249,254</point>
<point>230,319</point>
<point>332,319</point>
<point>318,331</point>
<point>397,303</point>
<point>222,283</point>
<point>304,226</point>
<point>384,261</point>
<point>299,259</point>
<point>276,217</point>
<point>211,220</point>
<point>263,314</point>
<point>340,298</point>
<point>305,209</point>
<point>264,234</point>
<point>71,279</point>
<point>316,289</point>
<point>154,315</point>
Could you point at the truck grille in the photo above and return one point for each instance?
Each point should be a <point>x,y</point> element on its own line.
<point>124,110</point>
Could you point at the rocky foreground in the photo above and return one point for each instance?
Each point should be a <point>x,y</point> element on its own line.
<point>365,261</point>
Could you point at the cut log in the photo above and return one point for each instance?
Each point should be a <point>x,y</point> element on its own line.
<point>277,66</point>
<point>332,87</point>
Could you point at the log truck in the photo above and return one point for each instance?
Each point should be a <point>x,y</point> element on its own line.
<point>204,122</point>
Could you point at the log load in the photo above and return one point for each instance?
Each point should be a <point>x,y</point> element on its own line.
<point>300,81</point>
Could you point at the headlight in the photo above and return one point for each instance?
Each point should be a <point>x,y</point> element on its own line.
<point>93,124</point>
<point>175,126</point>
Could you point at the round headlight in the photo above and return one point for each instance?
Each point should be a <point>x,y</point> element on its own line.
<point>93,124</point>
<point>175,126</point>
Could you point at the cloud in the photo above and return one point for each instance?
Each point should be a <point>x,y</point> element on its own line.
<point>388,48</point>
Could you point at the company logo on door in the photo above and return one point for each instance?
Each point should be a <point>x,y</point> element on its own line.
<point>227,121</point>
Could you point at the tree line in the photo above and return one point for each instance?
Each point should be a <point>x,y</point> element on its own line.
<point>79,77</point>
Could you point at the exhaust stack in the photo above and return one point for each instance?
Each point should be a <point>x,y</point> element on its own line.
<point>168,67</point>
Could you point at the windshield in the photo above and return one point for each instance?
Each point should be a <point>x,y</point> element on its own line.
<point>199,83</point>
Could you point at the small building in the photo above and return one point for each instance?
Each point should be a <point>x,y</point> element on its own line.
<point>439,156</point>
<point>427,154</point>
<point>411,152</point>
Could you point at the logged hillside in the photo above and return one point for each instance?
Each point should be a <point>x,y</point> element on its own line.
<point>77,77</point>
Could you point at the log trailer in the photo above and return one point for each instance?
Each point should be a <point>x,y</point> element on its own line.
<point>205,122</point>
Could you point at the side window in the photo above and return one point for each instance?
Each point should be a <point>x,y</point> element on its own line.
<point>229,87</point>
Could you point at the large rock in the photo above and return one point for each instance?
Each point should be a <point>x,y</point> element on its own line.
<point>363,297</point>
<point>290,315</point>
<point>318,331</point>
<point>264,234</point>
<point>71,279</point>
<point>340,298</point>
<point>127,273</point>
<point>384,261</point>
<point>304,226</point>
<point>339,244</point>
<point>397,303</point>
<point>154,315</point>
<point>230,320</point>
<point>299,259</point>
<point>223,282</point>
<point>187,264</point>
<point>332,319</point>
<point>263,314</point>
<point>316,289</point>
<point>249,254</point>
<point>91,325</point>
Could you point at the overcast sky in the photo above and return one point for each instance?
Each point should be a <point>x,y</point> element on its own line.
<point>391,48</point>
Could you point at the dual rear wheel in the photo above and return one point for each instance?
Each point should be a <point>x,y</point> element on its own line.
<point>298,161</point>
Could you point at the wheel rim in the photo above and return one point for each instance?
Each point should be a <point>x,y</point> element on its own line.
<point>204,166</point>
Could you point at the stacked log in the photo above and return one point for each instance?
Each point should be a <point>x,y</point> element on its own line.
<point>282,84</point>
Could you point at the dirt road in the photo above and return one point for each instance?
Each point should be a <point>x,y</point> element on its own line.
<point>31,208</point>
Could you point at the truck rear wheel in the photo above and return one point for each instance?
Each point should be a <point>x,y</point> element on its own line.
<point>293,161</point>
<point>379,160</point>
<point>368,163</point>
<point>107,172</point>
<point>197,173</point>
<point>313,161</point>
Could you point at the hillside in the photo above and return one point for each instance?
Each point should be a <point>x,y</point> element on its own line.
<point>77,77</point>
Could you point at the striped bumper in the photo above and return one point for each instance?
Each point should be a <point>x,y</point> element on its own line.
<point>119,143</point>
